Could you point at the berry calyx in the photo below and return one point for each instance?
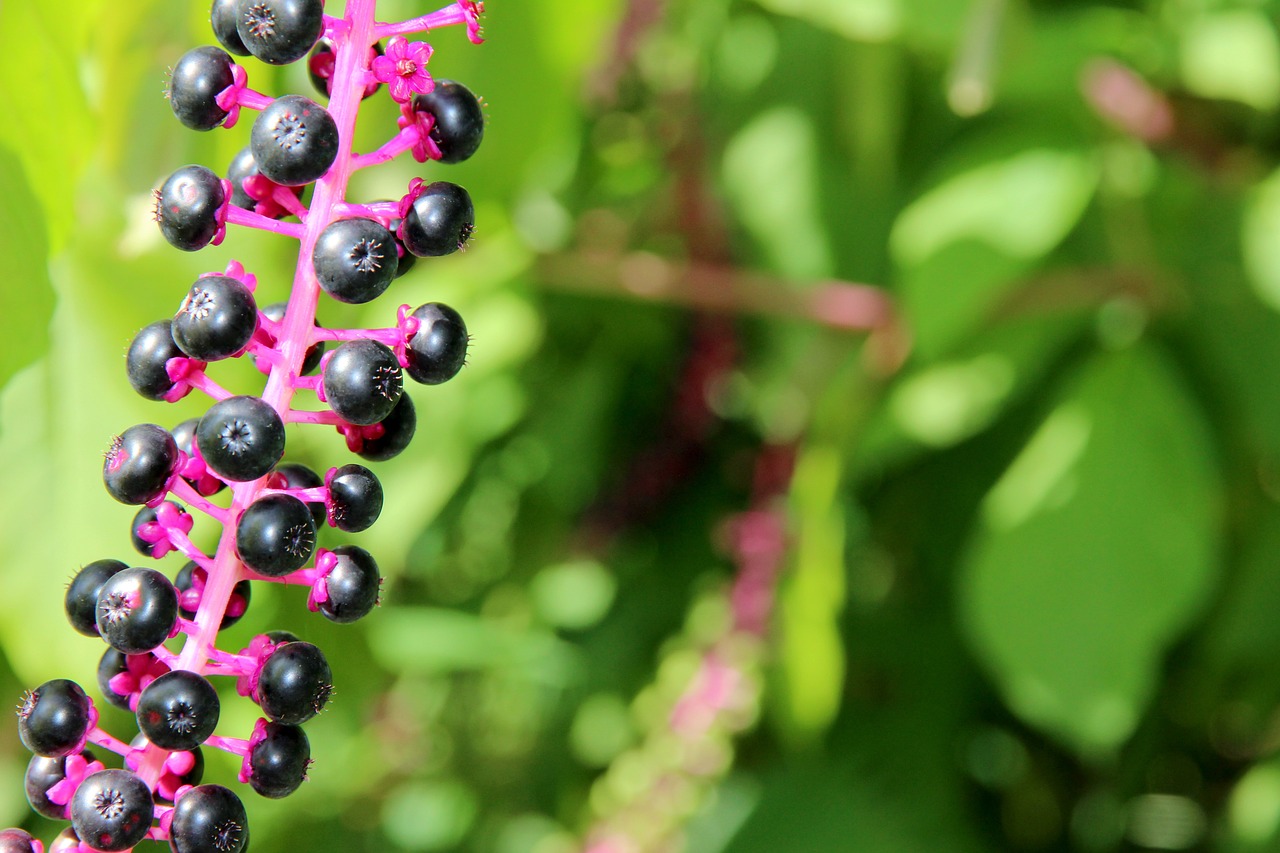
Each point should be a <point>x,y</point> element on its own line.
<point>275,535</point>
<point>178,711</point>
<point>137,609</point>
<point>138,464</point>
<point>197,79</point>
<point>362,381</point>
<point>240,438</point>
<point>43,773</point>
<point>355,498</point>
<point>439,222</point>
<point>112,810</point>
<point>355,260</point>
<point>294,140</point>
<point>216,319</point>
<point>81,601</point>
<point>187,207</point>
<point>54,718</point>
<point>438,349</point>
<point>279,31</point>
<point>209,819</point>
<point>458,119</point>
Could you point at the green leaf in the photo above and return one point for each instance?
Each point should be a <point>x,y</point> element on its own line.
<point>26,301</point>
<point>1095,548</point>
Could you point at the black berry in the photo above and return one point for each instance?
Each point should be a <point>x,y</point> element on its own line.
<point>112,810</point>
<point>355,260</point>
<point>209,819</point>
<point>294,140</point>
<point>397,431</point>
<point>187,207</point>
<point>81,601</point>
<point>293,475</point>
<point>276,535</point>
<point>42,774</point>
<point>240,438</point>
<point>355,498</point>
<point>362,381</point>
<point>196,80</point>
<point>406,258</point>
<point>222,17</point>
<point>459,119</point>
<point>278,763</point>
<point>149,352</point>
<point>237,604</point>
<point>440,221</point>
<point>279,31</point>
<point>295,683</point>
<point>139,463</point>
<point>243,168</point>
<point>352,586</point>
<point>18,841</point>
<point>178,710</point>
<point>137,609</point>
<point>111,664</point>
<point>216,319</point>
<point>184,434</point>
<point>438,350</point>
<point>54,718</point>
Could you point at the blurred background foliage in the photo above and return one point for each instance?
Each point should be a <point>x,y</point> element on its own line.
<point>1030,585</point>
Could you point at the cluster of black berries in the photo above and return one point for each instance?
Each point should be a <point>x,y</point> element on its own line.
<point>228,465</point>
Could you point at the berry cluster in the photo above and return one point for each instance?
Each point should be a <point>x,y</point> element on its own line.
<point>228,465</point>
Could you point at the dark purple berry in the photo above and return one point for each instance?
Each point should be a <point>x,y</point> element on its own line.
<point>111,664</point>
<point>222,17</point>
<point>355,498</point>
<point>440,221</point>
<point>280,636</point>
<point>352,586</point>
<point>178,710</point>
<point>279,31</point>
<point>139,463</point>
<point>406,258</point>
<point>294,141</point>
<point>237,604</point>
<point>209,819</point>
<point>244,168</point>
<point>355,260</point>
<point>54,718</point>
<point>137,609</point>
<point>278,763</point>
<point>362,381</point>
<point>216,318</point>
<point>183,435</point>
<point>18,841</point>
<point>397,431</point>
<point>276,535</point>
<point>459,119</point>
<point>321,62</point>
<point>65,842</point>
<point>42,774</point>
<point>112,810</point>
<point>148,354</point>
<point>187,207</point>
<point>292,475</point>
<point>81,602</point>
<point>147,515</point>
<point>197,79</point>
<point>295,683</point>
<point>241,438</point>
<point>438,350</point>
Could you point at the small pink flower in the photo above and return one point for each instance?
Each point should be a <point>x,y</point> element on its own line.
<point>404,68</point>
<point>472,10</point>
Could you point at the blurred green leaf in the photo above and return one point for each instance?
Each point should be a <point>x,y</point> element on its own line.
<point>26,302</point>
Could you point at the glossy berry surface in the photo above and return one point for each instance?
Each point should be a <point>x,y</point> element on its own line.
<point>438,350</point>
<point>111,664</point>
<point>355,498</point>
<point>209,819</point>
<point>362,381</point>
<point>137,609</point>
<point>440,221</point>
<point>276,535</point>
<point>398,428</point>
<point>112,810</point>
<point>197,79</point>
<point>321,63</point>
<point>222,17</point>
<point>311,360</point>
<point>178,710</point>
<point>355,260</point>
<point>187,207</point>
<point>216,319</point>
<point>139,463</point>
<point>295,683</point>
<point>42,774</point>
<point>148,354</point>
<point>53,718</point>
<point>352,586</point>
<point>279,31</point>
<point>278,763</point>
<point>294,475</point>
<point>294,140</point>
<point>81,600</point>
<point>459,119</point>
<point>240,438</point>
<point>191,576</point>
<point>406,258</point>
<point>17,841</point>
<point>184,435</point>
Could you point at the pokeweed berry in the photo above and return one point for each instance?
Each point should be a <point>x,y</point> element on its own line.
<point>362,381</point>
<point>222,18</point>
<point>209,819</point>
<point>438,349</point>
<point>295,683</point>
<point>241,438</point>
<point>293,475</point>
<point>81,600</point>
<point>440,221</point>
<point>395,431</point>
<point>276,535</point>
<point>112,810</point>
<point>178,711</point>
<point>216,318</point>
<point>355,260</point>
<point>197,79</point>
<point>294,140</point>
<point>351,586</point>
<point>54,718</point>
<point>18,841</point>
<point>45,772</point>
<point>137,610</point>
<point>458,119</point>
<point>279,31</point>
<point>187,207</point>
<point>139,463</point>
<point>278,761</point>
<point>148,354</point>
<point>355,498</point>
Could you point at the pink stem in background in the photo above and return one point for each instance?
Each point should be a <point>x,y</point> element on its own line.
<point>455,13</point>
<point>249,219</point>
<point>382,210</point>
<point>324,418</point>
<point>389,337</point>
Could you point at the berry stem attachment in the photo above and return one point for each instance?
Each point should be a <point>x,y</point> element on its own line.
<point>250,219</point>
<point>394,147</point>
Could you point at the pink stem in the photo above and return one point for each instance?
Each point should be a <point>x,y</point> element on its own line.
<point>382,210</point>
<point>389,337</point>
<point>233,745</point>
<point>316,495</point>
<point>184,490</point>
<point>397,145</point>
<point>187,548</point>
<point>253,100</point>
<point>240,216</point>
<point>103,739</point>
<point>449,15</point>
<point>284,197</point>
<point>201,382</point>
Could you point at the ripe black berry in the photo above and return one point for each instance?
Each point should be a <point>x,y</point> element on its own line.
<point>352,586</point>
<point>293,475</point>
<point>187,207</point>
<point>178,710</point>
<point>18,841</point>
<point>397,431</point>
<point>278,763</point>
<point>362,381</point>
<point>294,140</point>
<point>65,842</point>
<point>137,609</point>
<point>276,535</point>
<point>406,258</point>
<point>244,168</point>
<point>81,602</point>
<point>240,438</point>
<point>323,60</point>
<point>150,350</point>
<point>279,31</point>
<point>459,119</point>
<point>183,436</point>
<point>209,819</point>
<point>295,683</point>
<point>438,350</point>
<point>311,360</point>
<point>440,221</point>
<point>111,664</point>
<point>197,79</point>
<point>112,810</point>
<point>42,774</point>
<point>355,498</point>
<point>355,260</point>
<point>139,463</point>
<point>223,19</point>
<point>237,604</point>
<point>53,718</point>
<point>216,318</point>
